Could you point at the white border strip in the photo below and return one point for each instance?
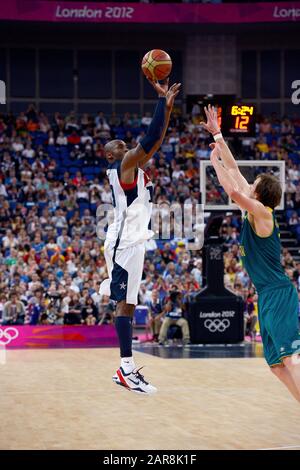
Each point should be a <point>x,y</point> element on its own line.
<point>283,447</point>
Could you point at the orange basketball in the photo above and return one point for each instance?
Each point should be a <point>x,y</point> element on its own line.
<point>157,64</point>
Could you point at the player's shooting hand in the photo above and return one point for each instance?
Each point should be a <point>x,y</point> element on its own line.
<point>212,120</point>
<point>172,93</point>
<point>163,90</point>
<point>160,88</point>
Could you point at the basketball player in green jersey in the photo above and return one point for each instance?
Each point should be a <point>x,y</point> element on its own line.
<point>260,252</point>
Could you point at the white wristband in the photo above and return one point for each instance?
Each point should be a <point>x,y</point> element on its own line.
<point>217,136</point>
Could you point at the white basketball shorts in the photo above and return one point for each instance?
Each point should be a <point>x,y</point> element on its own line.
<point>125,269</point>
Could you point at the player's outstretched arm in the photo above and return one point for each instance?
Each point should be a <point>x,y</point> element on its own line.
<point>232,188</point>
<point>170,98</point>
<point>227,158</point>
<point>157,129</point>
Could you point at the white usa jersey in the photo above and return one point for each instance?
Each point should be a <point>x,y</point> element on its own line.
<point>132,208</point>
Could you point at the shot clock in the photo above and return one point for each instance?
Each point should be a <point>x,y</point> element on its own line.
<point>235,118</point>
<point>238,119</point>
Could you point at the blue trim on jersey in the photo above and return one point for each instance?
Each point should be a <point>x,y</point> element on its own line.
<point>151,190</point>
<point>115,248</point>
<point>113,195</point>
<point>119,283</point>
<point>131,195</point>
<point>115,165</point>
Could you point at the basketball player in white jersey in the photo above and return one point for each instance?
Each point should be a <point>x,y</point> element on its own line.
<point>124,247</point>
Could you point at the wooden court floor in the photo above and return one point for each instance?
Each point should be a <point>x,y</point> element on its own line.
<point>65,399</point>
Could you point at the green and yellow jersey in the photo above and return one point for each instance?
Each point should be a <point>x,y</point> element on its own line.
<point>278,301</point>
<point>261,256</point>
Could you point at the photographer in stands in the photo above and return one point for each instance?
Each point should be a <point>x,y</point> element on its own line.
<point>173,312</point>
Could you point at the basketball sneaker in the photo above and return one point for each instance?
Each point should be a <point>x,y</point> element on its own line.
<point>134,382</point>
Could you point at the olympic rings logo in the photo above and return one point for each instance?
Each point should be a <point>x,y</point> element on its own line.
<point>217,325</point>
<point>7,335</point>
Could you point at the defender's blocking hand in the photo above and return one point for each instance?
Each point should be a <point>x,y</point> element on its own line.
<point>212,120</point>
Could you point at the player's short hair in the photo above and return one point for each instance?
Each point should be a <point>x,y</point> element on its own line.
<point>268,190</point>
<point>110,146</point>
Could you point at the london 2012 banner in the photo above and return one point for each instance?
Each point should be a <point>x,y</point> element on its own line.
<point>52,11</point>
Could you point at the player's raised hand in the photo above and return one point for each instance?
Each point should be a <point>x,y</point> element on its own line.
<point>160,88</point>
<point>212,120</point>
<point>172,93</point>
<point>163,90</point>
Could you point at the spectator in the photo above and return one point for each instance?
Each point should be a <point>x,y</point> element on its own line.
<point>28,152</point>
<point>294,219</point>
<point>155,315</point>
<point>13,311</point>
<point>89,313</point>
<point>251,316</point>
<point>173,315</point>
<point>106,310</point>
<point>61,139</point>
<point>36,308</point>
<point>73,313</point>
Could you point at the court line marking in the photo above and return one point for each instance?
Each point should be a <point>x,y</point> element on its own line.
<point>283,447</point>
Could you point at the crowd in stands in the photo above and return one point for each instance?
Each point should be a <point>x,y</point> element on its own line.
<point>53,178</point>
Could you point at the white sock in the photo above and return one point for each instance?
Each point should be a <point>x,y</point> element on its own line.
<point>127,364</point>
